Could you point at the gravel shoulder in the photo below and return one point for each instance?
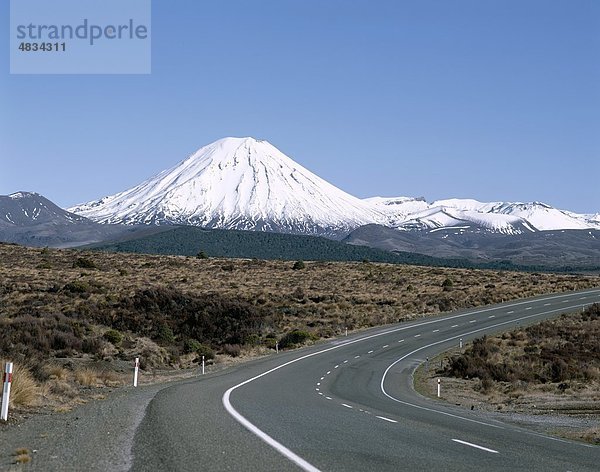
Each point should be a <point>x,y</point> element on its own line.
<point>97,436</point>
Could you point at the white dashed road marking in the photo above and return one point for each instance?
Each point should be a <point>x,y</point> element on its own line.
<point>386,419</point>
<point>475,446</point>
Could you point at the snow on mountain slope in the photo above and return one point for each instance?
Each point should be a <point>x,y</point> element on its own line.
<point>24,209</point>
<point>502,217</point>
<point>542,216</point>
<point>440,217</point>
<point>399,208</point>
<point>237,183</point>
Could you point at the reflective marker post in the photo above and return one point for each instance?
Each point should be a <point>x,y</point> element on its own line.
<point>439,388</point>
<point>135,371</point>
<point>202,365</point>
<point>8,369</point>
<point>460,343</point>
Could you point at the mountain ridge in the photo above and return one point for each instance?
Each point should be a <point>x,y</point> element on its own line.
<point>248,184</point>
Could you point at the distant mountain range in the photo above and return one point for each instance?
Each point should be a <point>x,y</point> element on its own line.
<point>31,219</point>
<point>248,184</point>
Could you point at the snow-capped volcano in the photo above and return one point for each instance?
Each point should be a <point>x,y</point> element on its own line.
<point>237,183</point>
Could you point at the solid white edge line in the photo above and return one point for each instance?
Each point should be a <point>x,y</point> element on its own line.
<point>477,446</point>
<point>297,459</point>
<point>433,410</point>
<point>386,419</point>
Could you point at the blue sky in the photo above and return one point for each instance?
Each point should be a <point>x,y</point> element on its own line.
<point>487,99</point>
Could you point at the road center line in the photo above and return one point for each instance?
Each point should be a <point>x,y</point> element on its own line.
<point>454,326</point>
<point>433,410</point>
<point>386,419</point>
<point>347,406</point>
<point>475,446</point>
<point>303,464</point>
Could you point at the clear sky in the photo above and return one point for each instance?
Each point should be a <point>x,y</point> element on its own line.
<point>486,99</point>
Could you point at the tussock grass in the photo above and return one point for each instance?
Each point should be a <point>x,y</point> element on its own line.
<point>24,390</point>
<point>87,377</point>
<point>158,306</point>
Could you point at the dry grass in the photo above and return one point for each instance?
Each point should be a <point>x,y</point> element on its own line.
<point>24,390</point>
<point>550,368</point>
<point>87,377</point>
<point>55,371</point>
<point>58,311</point>
<point>53,306</point>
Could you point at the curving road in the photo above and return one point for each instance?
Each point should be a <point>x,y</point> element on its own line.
<point>349,405</point>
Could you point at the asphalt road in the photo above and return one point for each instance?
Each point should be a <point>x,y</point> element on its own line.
<point>349,405</point>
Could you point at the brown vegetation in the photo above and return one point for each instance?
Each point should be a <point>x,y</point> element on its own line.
<point>170,310</point>
<point>561,351</point>
<point>552,368</point>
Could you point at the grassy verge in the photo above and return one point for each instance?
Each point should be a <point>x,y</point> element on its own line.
<point>550,369</point>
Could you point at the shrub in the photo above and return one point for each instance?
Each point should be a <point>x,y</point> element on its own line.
<point>298,265</point>
<point>76,286</point>
<point>294,338</point>
<point>165,334</point>
<point>113,336</point>
<point>201,255</point>
<point>233,350</point>
<point>206,351</point>
<point>192,345</point>
<point>85,263</point>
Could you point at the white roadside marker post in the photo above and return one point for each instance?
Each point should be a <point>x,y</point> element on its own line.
<point>277,348</point>
<point>202,365</point>
<point>439,388</point>
<point>346,332</point>
<point>460,343</point>
<point>135,371</point>
<point>6,390</point>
